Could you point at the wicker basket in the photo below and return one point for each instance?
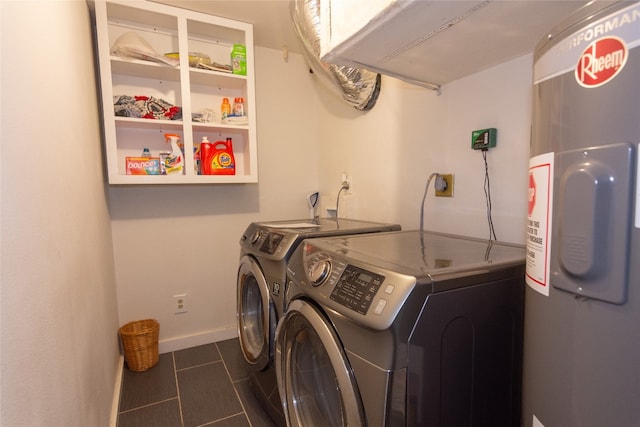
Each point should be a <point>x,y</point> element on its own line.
<point>140,342</point>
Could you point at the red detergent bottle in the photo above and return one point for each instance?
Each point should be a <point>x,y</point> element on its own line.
<point>217,157</point>
<point>222,160</point>
<point>206,154</point>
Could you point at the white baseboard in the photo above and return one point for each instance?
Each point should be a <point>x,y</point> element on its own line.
<point>206,337</point>
<point>117,389</point>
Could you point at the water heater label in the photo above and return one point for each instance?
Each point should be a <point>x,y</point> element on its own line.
<point>601,61</point>
<point>539,209</point>
<point>595,53</point>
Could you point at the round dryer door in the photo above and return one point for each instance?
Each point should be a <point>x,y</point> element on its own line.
<point>316,384</point>
<point>256,319</point>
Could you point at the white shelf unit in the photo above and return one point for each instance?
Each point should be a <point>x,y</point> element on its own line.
<point>168,29</point>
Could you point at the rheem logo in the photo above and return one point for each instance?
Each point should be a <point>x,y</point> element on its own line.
<point>601,61</point>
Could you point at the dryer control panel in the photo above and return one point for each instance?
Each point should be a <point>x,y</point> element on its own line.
<point>270,244</point>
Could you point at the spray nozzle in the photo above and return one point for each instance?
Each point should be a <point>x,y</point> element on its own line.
<point>171,137</point>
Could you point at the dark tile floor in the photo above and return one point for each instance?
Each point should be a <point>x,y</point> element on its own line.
<point>200,386</point>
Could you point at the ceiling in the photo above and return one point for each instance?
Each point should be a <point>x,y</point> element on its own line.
<point>272,26</point>
<point>501,31</point>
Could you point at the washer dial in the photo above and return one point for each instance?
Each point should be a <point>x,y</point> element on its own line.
<point>318,271</point>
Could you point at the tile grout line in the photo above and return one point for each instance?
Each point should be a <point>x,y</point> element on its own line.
<point>175,376</point>
<point>148,405</point>
<point>198,366</point>
<point>235,390</point>
<point>210,423</point>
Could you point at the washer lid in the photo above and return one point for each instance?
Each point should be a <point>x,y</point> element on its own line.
<point>327,226</point>
<point>274,240</point>
<point>429,253</point>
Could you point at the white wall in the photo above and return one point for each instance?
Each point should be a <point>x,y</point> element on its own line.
<point>59,315</point>
<point>184,239</point>
<point>411,132</point>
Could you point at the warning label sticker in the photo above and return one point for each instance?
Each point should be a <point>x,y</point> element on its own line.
<point>540,207</point>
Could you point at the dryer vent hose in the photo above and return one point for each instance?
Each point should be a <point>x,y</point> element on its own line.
<point>357,86</point>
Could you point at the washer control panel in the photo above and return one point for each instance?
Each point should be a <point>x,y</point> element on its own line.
<point>363,292</point>
<point>356,288</point>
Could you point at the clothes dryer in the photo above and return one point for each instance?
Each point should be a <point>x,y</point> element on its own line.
<point>402,329</point>
<point>265,250</point>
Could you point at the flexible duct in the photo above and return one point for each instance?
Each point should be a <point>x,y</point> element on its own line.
<point>357,86</point>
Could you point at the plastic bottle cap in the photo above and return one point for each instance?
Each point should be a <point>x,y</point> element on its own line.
<point>205,139</point>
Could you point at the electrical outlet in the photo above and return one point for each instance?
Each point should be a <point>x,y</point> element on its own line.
<point>346,182</point>
<point>448,190</point>
<point>180,303</point>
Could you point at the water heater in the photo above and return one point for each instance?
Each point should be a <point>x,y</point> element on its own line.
<point>582,302</point>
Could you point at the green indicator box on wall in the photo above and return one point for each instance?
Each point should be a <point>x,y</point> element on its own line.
<point>483,139</point>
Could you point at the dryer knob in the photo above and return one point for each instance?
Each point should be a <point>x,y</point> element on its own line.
<point>318,272</point>
<point>255,237</point>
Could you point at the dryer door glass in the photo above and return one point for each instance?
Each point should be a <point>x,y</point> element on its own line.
<point>316,384</point>
<point>254,317</point>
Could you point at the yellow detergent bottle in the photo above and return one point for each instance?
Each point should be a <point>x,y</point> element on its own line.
<point>174,162</point>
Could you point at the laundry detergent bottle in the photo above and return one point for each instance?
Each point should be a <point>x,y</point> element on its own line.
<point>174,162</point>
<point>206,155</point>
<point>222,160</point>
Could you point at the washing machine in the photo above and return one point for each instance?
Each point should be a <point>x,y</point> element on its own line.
<point>265,250</point>
<point>402,329</point>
